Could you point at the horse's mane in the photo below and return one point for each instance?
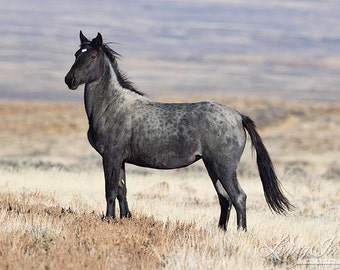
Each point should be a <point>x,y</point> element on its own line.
<point>122,77</point>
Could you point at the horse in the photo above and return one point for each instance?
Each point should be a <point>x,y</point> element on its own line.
<point>127,127</point>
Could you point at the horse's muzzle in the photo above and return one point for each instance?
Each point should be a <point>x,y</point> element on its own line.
<point>71,81</point>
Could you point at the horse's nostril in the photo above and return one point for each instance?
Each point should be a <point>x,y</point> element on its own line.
<point>70,81</point>
<point>67,79</point>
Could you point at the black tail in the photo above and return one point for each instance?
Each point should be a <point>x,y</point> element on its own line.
<point>271,184</point>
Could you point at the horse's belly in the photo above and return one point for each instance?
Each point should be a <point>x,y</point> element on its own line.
<point>164,160</point>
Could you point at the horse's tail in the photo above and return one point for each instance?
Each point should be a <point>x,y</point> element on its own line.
<point>271,184</point>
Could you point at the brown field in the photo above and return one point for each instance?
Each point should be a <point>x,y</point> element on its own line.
<point>52,197</point>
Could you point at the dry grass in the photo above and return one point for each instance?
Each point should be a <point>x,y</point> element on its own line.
<point>52,198</point>
<point>54,222</point>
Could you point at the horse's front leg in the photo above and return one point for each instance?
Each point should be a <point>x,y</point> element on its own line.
<point>111,173</point>
<point>123,204</point>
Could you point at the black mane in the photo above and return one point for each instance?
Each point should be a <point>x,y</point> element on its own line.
<point>122,77</point>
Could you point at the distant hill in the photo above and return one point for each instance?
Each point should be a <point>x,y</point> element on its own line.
<point>288,49</point>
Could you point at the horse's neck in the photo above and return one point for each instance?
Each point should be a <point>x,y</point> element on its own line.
<point>106,92</point>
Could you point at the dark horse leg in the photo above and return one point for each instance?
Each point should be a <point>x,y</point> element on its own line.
<point>238,198</point>
<point>225,211</point>
<point>223,198</point>
<point>112,173</point>
<point>115,187</point>
<point>123,204</point>
<point>229,193</point>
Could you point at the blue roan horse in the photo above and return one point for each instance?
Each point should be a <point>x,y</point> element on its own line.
<point>125,126</point>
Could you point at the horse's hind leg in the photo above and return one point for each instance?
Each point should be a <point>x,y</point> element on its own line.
<point>238,198</point>
<point>223,198</point>
<point>225,211</point>
<point>121,196</point>
<point>230,192</point>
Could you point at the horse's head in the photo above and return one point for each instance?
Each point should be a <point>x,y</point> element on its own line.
<point>89,63</point>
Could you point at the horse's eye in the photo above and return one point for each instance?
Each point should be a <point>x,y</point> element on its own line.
<point>93,56</point>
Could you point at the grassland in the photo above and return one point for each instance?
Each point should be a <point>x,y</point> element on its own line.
<point>52,197</point>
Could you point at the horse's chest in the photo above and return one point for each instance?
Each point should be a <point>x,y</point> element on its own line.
<point>96,140</point>
<point>105,137</point>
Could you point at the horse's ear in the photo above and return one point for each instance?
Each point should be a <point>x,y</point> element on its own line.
<point>98,41</point>
<point>83,39</point>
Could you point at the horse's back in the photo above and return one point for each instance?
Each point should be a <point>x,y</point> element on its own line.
<point>200,115</point>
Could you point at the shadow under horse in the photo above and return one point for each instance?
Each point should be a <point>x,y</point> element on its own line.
<point>127,127</point>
